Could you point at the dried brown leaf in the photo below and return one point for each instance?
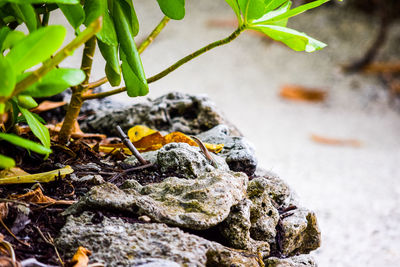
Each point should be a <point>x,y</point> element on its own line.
<point>335,142</point>
<point>81,259</point>
<point>301,93</point>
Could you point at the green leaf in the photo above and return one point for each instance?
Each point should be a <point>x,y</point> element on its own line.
<point>174,9</point>
<point>298,10</point>
<point>23,119</point>
<point>272,4</point>
<point>12,39</point>
<point>112,69</point>
<point>26,101</point>
<point>107,34</point>
<point>25,143</point>
<point>74,14</point>
<point>296,40</point>
<point>69,2</point>
<point>8,77</point>
<point>27,14</point>
<point>38,129</point>
<point>234,5</point>
<point>36,47</point>
<point>127,45</point>
<point>2,108</point>
<point>94,9</point>
<point>6,162</point>
<point>134,86</point>
<point>4,31</point>
<point>252,9</point>
<point>56,81</point>
<point>272,14</point>
<point>130,14</point>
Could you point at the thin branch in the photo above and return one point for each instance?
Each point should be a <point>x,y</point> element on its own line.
<point>131,147</point>
<point>95,83</point>
<point>176,65</point>
<point>153,34</point>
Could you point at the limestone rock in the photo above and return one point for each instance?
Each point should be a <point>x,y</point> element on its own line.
<point>150,156</point>
<point>278,191</point>
<point>299,232</point>
<point>195,203</point>
<point>186,160</point>
<point>236,230</point>
<point>295,261</point>
<point>175,111</point>
<point>89,179</point>
<point>117,243</point>
<point>238,152</point>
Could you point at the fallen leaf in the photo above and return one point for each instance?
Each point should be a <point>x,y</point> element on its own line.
<point>301,93</point>
<point>43,177</point>
<point>3,210</point>
<point>81,259</point>
<point>48,105</point>
<point>37,197</point>
<point>14,171</point>
<point>153,140</point>
<point>335,142</point>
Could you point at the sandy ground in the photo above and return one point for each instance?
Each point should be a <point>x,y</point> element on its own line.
<point>354,191</point>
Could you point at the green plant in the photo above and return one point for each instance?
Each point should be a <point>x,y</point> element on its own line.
<point>115,40</point>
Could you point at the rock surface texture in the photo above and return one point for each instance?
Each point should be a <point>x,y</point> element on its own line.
<point>236,213</point>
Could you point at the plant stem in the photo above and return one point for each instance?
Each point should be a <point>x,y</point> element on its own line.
<point>176,65</point>
<point>51,63</point>
<point>140,49</point>
<point>76,101</point>
<point>153,34</point>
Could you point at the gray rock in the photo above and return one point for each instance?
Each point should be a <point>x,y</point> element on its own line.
<point>150,156</point>
<point>299,232</point>
<point>186,160</point>
<point>238,152</point>
<point>278,191</point>
<point>295,261</point>
<point>89,179</point>
<point>236,230</point>
<point>190,114</point>
<point>117,243</point>
<point>195,203</point>
<point>264,218</point>
<point>154,262</point>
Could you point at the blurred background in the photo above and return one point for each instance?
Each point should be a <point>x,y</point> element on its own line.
<point>340,153</point>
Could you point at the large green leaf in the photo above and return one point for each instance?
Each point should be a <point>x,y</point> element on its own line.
<point>8,77</point>
<point>107,34</point>
<point>296,40</point>
<point>112,69</point>
<point>94,9</point>
<point>298,10</point>
<point>12,39</point>
<point>36,47</point>
<point>133,84</point>
<point>252,9</point>
<point>69,2</point>
<point>28,144</point>
<point>55,82</point>
<point>38,129</point>
<point>26,101</point>
<point>74,14</point>
<point>128,47</point>
<point>6,162</point>
<point>174,9</point>
<point>130,14</point>
<point>27,14</point>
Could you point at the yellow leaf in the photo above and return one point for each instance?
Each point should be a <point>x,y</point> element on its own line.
<point>43,177</point>
<point>138,132</point>
<point>81,259</point>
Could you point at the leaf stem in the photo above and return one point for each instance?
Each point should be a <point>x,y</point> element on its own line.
<point>153,34</point>
<point>176,65</point>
